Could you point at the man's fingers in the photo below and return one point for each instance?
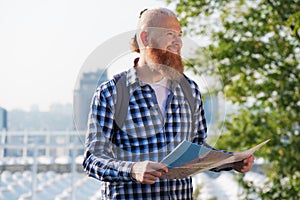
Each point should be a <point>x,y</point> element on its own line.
<point>244,165</point>
<point>249,161</point>
<point>148,172</point>
<point>160,167</point>
<point>150,177</point>
<point>164,168</point>
<point>155,173</point>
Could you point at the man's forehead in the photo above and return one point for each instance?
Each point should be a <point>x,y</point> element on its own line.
<point>164,30</point>
<point>159,20</point>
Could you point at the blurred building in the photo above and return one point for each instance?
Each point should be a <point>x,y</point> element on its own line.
<point>83,95</point>
<point>3,119</point>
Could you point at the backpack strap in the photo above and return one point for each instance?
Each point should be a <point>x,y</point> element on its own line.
<point>122,99</point>
<point>188,94</point>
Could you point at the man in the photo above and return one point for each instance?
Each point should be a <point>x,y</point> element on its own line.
<point>126,157</point>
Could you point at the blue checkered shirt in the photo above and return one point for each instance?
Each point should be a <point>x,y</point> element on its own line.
<point>147,134</point>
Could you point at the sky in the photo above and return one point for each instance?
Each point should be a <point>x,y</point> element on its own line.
<point>44,45</point>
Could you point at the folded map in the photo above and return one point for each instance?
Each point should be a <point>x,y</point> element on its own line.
<point>189,158</point>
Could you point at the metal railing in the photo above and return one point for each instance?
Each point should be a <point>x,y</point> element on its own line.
<point>26,145</point>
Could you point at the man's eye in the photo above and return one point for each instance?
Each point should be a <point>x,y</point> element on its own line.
<point>174,34</point>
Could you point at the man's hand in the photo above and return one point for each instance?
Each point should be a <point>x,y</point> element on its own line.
<point>244,165</point>
<point>147,172</point>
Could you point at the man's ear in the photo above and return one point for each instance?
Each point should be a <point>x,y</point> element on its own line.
<point>144,38</point>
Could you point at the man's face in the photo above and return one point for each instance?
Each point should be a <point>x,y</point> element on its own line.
<point>166,35</point>
<point>164,46</point>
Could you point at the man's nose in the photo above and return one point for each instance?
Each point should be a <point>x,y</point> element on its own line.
<point>177,41</point>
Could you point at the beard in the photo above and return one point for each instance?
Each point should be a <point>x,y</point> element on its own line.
<point>167,63</point>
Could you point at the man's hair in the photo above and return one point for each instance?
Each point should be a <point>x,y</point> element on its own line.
<point>134,46</point>
<point>134,42</point>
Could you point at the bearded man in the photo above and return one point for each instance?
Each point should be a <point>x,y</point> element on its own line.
<point>125,158</point>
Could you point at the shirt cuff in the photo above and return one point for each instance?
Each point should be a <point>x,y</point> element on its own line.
<point>125,170</point>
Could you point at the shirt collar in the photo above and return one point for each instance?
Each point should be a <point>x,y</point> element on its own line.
<point>132,77</point>
<point>132,80</point>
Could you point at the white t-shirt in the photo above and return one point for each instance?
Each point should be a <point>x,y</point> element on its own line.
<point>161,92</point>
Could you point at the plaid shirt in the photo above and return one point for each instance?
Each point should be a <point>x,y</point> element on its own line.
<point>147,134</point>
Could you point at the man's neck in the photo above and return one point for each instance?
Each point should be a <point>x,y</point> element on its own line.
<point>146,73</point>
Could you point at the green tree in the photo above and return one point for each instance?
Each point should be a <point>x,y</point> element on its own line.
<point>254,48</point>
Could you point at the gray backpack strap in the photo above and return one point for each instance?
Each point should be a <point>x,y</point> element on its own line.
<point>122,103</point>
<point>188,94</point>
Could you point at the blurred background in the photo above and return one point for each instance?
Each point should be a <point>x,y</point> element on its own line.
<point>246,62</point>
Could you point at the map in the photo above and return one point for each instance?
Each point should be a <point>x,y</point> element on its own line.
<point>189,158</point>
